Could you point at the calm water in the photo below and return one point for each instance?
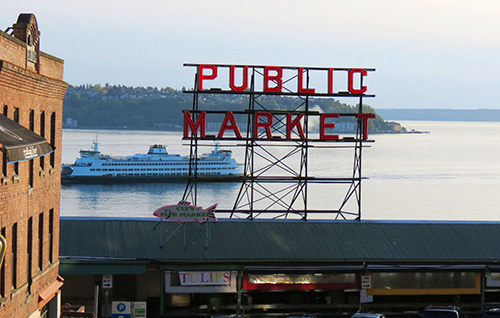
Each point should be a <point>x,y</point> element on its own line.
<point>452,173</point>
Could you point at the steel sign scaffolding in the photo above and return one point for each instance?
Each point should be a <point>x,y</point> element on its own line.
<point>278,143</point>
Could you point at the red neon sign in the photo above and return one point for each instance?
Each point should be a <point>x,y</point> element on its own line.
<point>292,123</point>
<point>363,89</point>
<point>300,88</point>
<point>266,125</point>
<point>323,125</point>
<point>275,78</point>
<point>202,76</point>
<point>245,79</point>
<point>264,120</point>
<point>234,126</point>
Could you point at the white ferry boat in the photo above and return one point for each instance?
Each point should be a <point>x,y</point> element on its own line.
<point>156,165</point>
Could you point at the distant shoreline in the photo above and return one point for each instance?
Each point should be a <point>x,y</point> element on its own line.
<point>413,131</point>
<point>483,115</point>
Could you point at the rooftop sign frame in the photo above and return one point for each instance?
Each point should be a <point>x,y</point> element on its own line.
<point>264,127</point>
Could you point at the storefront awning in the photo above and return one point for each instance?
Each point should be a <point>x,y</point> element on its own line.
<point>48,293</point>
<point>101,269</point>
<point>19,143</point>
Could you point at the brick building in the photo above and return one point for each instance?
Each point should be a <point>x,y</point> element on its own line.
<point>31,101</point>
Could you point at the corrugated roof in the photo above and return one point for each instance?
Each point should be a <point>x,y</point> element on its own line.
<point>244,241</point>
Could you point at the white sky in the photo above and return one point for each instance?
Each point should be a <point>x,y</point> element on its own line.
<point>428,53</point>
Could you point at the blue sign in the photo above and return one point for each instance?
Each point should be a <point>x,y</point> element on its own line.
<point>121,309</point>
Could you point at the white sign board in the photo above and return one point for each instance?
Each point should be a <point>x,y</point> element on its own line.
<point>366,281</point>
<point>139,309</point>
<point>364,298</point>
<point>107,281</point>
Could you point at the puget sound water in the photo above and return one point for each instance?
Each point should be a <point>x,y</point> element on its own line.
<point>451,173</point>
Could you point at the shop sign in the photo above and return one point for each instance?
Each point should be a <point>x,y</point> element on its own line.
<point>275,79</point>
<point>184,211</point>
<point>264,121</point>
<point>30,152</point>
<point>199,282</point>
<point>204,278</point>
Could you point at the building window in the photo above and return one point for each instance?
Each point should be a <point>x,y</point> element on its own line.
<point>2,270</point>
<point>16,114</point>
<point>32,120</point>
<point>30,253</point>
<point>40,241</point>
<point>14,255</point>
<point>51,236</point>
<point>42,124</point>
<point>31,172</point>
<point>53,138</point>
<point>42,133</point>
<point>5,110</point>
<point>4,164</point>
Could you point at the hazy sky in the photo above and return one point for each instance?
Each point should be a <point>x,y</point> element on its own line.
<point>428,53</point>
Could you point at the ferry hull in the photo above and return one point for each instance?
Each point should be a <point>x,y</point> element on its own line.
<point>145,179</point>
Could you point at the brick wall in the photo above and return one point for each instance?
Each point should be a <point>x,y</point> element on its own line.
<point>23,198</point>
<point>51,66</point>
<point>12,50</point>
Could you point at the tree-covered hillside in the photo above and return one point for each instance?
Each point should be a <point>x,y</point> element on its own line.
<point>117,106</point>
